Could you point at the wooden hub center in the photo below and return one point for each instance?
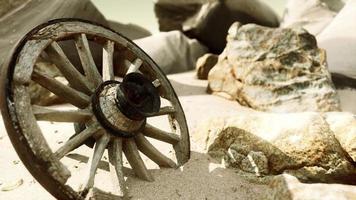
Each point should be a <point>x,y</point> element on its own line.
<point>106,110</point>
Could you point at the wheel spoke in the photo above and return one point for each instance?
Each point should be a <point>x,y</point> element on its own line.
<point>161,135</point>
<point>74,77</point>
<point>164,111</point>
<point>135,66</point>
<point>77,140</point>
<point>72,96</point>
<point>46,114</point>
<point>150,151</point>
<point>116,167</point>
<point>108,61</point>
<point>87,60</point>
<point>135,160</point>
<point>99,149</point>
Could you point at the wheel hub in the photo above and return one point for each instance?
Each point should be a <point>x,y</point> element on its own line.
<point>122,107</point>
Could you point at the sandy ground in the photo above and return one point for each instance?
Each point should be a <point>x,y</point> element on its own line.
<point>200,178</point>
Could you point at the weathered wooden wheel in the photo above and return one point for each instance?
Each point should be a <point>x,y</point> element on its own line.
<point>113,114</point>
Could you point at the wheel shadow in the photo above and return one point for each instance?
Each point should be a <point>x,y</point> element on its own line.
<point>200,178</point>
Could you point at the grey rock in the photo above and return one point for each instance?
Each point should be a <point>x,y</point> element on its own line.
<point>297,143</point>
<point>312,15</point>
<point>278,70</point>
<point>172,51</point>
<point>233,158</point>
<point>255,162</point>
<point>287,187</point>
<point>131,31</point>
<point>209,20</point>
<point>16,24</point>
<point>205,64</point>
<point>171,14</point>
<point>7,6</point>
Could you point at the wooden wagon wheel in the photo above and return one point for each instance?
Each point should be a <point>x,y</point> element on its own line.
<point>111,113</point>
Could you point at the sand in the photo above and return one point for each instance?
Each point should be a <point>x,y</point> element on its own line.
<point>200,178</point>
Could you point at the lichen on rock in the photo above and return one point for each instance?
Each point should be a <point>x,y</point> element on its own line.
<point>278,70</point>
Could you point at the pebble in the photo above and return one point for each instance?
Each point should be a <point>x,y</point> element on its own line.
<point>15,162</point>
<point>12,185</point>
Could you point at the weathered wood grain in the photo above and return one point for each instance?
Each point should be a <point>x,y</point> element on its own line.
<point>135,160</point>
<point>69,94</point>
<point>153,132</point>
<point>151,152</point>
<point>87,60</point>
<point>116,167</point>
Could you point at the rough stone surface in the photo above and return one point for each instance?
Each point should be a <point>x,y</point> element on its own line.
<point>278,70</point>
<point>301,144</point>
<point>343,126</point>
<point>205,64</point>
<point>255,162</point>
<point>233,158</point>
<point>209,20</point>
<point>172,51</point>
<point>312,15</point>
<point>287,187</point>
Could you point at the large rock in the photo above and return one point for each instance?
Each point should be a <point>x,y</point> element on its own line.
<point>172,51</point>
<point>302,144</point>
<point>7,6</point>
<point>287,187</point>
<point>205,64</point>
<point>343,125</point>
<point>209,20</point>
<point>279,70</point>
<point>131,31</point>
<point>312,15</point>
<point>339,41</point>
<point>17,23</point>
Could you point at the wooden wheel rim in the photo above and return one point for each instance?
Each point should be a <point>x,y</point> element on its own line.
<point>21,123</point>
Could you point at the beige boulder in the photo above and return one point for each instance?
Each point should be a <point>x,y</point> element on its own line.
<point>343,125</point>
<point>278,70</point>
<point>287,187</point>
<point>302,144</point>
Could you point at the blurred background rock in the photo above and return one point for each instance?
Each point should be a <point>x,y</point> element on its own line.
<point>121,10</point>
